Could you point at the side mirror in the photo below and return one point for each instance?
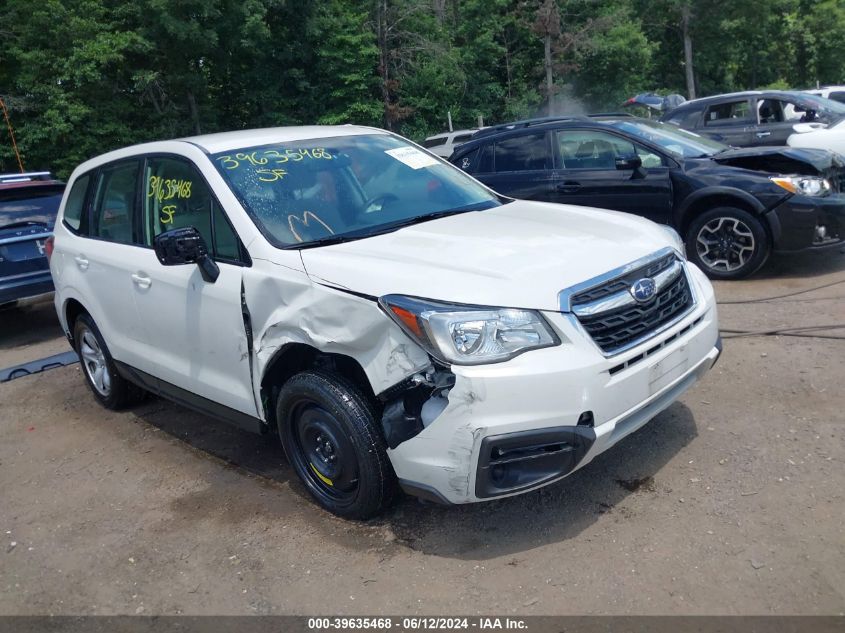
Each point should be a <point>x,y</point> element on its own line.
<point>628,162</point>
<point>186,246</point>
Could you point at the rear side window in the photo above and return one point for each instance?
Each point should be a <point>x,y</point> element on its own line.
<point>433,142</point>
<point>731,113</point>
<point>685,118</point>
<point>177,196</point>
<point>114,203</point>
<point>461,138</point>
<point>529,152</point>
<point>837,96</point>
<point>73,216</point>
<point>467,161</point>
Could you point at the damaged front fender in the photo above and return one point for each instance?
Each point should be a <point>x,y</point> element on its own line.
<point>286,307</point>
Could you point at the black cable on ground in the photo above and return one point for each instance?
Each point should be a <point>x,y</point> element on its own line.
<point>802,332</point>
<point>789,294</point>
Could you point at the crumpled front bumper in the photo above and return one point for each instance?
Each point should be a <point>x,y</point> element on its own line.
<point>794,223</point>
<point>543,395</point>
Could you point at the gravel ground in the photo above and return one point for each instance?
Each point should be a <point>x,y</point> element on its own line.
<point>730,502</point>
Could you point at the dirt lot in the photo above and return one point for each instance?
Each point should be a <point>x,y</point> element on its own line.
<point>730,502</point>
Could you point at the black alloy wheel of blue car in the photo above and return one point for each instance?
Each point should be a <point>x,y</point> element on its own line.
<point>331,436</point>
<point>727,243</point>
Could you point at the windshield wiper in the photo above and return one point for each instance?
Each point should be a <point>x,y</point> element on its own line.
<point>392,226</point>
<point>325,241</point>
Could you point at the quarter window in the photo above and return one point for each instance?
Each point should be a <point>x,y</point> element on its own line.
<point>114,203</point>
<point>76,203</point>
<point>175,197</point>
<point>529,152</point>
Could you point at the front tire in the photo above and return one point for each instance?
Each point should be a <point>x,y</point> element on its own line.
<point>727,243</point>
<point>108,386</point>
<point>330,433</point>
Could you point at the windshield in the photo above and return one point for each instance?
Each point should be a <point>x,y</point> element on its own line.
<point>822,106</point>
<point>318,191</point>
<point>674,140</point>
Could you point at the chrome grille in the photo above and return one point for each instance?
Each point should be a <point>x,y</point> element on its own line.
<point>616,321</point>
<point>624,282</point>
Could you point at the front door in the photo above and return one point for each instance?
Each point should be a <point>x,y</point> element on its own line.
<point>587,174</point>
<point>776,119</point>
<point>195,329</point>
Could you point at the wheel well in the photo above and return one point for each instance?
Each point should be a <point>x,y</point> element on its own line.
<point>296,357</point>
<point>711,202</point>
<point>72,311</point>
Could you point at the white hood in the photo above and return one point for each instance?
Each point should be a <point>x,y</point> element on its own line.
<point>519,255</point>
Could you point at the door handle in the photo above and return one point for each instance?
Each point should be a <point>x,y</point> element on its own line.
<point>569,186</point>
<point>141,280</point>
<point>763,134</point>
<point>81,262</point>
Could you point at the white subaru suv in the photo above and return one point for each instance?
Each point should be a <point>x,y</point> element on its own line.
<point>395,321</point>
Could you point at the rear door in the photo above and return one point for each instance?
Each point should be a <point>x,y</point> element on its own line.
<point>519,166</point>
<point>100,261</point>
<point>730,122</point>
<point>587,174</point>
<point>195,333</point>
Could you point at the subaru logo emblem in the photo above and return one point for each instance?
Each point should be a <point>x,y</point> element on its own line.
<point>644,289</point>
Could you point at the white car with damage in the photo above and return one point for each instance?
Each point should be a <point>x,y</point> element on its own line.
<point>395,321</point>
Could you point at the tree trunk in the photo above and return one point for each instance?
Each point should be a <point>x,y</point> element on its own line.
<point>685,22</point>
<point>550,82</point>
<point>195,115</point>
<point>439,7</point>
<point>384,65</point>
<point>508,76</point>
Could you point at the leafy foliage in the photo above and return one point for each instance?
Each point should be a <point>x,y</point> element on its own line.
<point>81,77</point>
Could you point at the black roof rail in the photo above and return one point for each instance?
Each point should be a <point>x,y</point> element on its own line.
<point>504,127</point>
<point>627,115</point>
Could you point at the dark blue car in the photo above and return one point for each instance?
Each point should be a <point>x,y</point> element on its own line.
<point>733,207</point>
<point>28,207</point>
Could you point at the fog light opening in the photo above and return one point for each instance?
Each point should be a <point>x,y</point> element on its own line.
<point>586,419</point>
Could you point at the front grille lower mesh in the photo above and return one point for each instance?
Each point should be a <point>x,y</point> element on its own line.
<point>616,329</point>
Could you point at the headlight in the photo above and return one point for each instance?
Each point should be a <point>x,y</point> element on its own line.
<point>467,335</point>
<point>677,240</point>
<point>804,185</point>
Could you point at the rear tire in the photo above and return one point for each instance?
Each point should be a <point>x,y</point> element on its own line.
<point>108,386</point>
<point>727,243</point>
<point>331,435</point>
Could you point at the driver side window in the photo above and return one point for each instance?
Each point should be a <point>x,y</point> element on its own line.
<point>175,197</point>
<point>591,149</point>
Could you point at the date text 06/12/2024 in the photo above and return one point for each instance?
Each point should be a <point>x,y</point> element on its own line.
<point>417,623</point>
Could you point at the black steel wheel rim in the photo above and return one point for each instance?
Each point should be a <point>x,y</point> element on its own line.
<point>324,453</point>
